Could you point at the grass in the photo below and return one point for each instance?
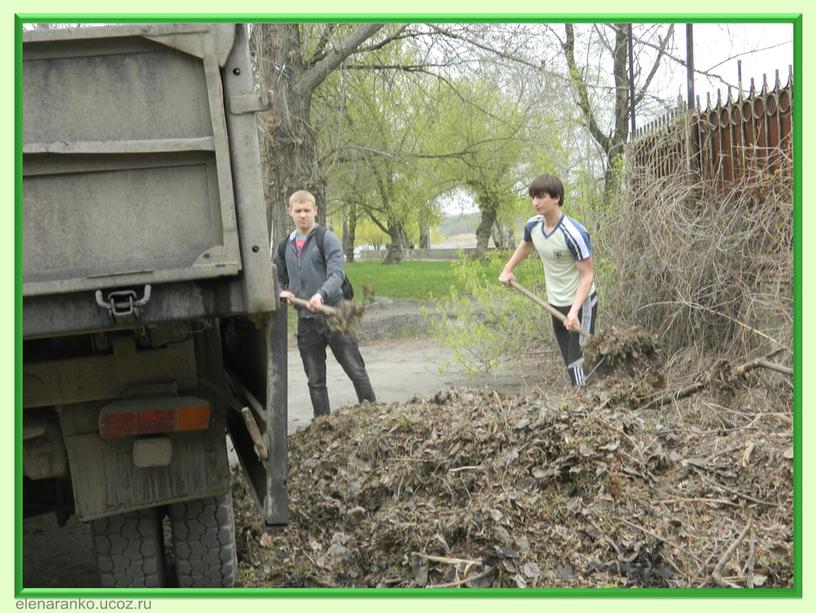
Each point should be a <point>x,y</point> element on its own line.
<point>416,280</point>
<point>422,280</point>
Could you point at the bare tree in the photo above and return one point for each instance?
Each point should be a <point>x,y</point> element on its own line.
<point>610,141</point>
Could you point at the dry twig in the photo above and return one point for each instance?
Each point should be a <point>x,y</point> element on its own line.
<point>717,574</point>
<point>704,381</point>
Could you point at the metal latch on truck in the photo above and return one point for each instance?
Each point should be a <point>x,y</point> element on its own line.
<point>250,103</point>
<point>123,305</point>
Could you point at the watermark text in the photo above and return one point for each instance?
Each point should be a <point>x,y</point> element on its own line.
<point>82,604</point>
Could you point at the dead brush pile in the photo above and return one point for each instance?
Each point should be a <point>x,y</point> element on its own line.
<point>478,490</point>
<point>704,263</point>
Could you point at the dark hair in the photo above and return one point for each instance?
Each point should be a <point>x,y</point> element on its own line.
<point>547,184</point>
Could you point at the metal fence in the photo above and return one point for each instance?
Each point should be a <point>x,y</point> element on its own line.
<point>722,143</point>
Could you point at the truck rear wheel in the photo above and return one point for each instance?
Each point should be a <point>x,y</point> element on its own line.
<point>204,542</point>
<point>130,549</point>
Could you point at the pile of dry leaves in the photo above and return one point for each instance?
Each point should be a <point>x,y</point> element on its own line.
<point>475,489</point>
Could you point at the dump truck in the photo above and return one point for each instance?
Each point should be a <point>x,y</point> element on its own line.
<point>153,338</point>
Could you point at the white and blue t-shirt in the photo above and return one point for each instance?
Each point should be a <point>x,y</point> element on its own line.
<point>559,250</point>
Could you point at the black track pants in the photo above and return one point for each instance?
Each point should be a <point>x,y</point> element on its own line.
<point>571,343</point>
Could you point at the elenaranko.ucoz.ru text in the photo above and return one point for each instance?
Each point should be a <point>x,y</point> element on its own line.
<point>83,604</point>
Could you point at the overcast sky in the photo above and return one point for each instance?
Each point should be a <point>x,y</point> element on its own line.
<point>762,48</point>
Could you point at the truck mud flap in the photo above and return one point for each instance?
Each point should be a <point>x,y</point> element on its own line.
<point>106,481</point>
<point>255,357</point>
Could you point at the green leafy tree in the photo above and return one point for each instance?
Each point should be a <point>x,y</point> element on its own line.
<point>381,171</point>
<point>479,134</point>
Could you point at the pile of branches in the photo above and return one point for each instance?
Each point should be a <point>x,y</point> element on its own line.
<point>707,264</point>
<point>630,351</point>
<point>475,489</point>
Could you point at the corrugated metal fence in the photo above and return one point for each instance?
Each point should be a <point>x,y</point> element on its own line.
<point>722,143</point>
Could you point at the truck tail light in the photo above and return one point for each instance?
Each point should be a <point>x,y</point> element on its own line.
<point>153,416</point>
<point>193,418</point>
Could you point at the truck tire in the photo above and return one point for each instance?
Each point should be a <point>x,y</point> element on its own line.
<point>130,549</point>
<point>204,542</point>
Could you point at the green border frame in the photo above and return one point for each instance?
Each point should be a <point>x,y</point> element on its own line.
<point>794,592</point>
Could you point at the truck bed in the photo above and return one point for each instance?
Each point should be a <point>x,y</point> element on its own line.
<point>140,168</point>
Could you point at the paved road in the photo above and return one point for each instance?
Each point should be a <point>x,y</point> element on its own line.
<point>399,370</point>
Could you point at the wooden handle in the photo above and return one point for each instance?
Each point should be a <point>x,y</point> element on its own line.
<point>326,310</point>
<point>544,305</point>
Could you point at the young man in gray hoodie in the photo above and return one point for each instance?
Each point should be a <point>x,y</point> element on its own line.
<point>310,275</point>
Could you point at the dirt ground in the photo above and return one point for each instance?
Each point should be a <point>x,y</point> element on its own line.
<point>399,369</point>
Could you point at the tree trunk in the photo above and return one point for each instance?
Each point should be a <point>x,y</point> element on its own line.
<point>288,146</point>
<point>613,143</point>
<point>349,232</point>
<point>394,250</point>
<point>620,130</point>
<point>485,227</point>
<point>502,237</point>
<point>424,235</point>
<point>288,143</point>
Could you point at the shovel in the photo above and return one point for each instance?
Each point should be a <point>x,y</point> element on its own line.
<point>544,305</point>
<point>321,308</point>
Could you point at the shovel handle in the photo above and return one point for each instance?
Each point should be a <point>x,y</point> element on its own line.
<point>326,310</point>
<point>544,305</point>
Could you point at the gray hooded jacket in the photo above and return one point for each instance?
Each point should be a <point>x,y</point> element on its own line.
<point>307,274</point>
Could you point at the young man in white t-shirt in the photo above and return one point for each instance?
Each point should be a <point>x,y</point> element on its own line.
<point>563,245</point>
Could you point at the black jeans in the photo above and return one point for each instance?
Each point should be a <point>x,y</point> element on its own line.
<point>313,335</point>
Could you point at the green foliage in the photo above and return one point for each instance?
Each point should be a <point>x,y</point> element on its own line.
<point>586,194</point>
<point>381,122</point>
<point>367,233</point>
<point>437,235</point>
<point>400,139</point>
<point>518,211</point>
<point>487,324</point>
<point>617,176</point>
<point>485,124</point>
